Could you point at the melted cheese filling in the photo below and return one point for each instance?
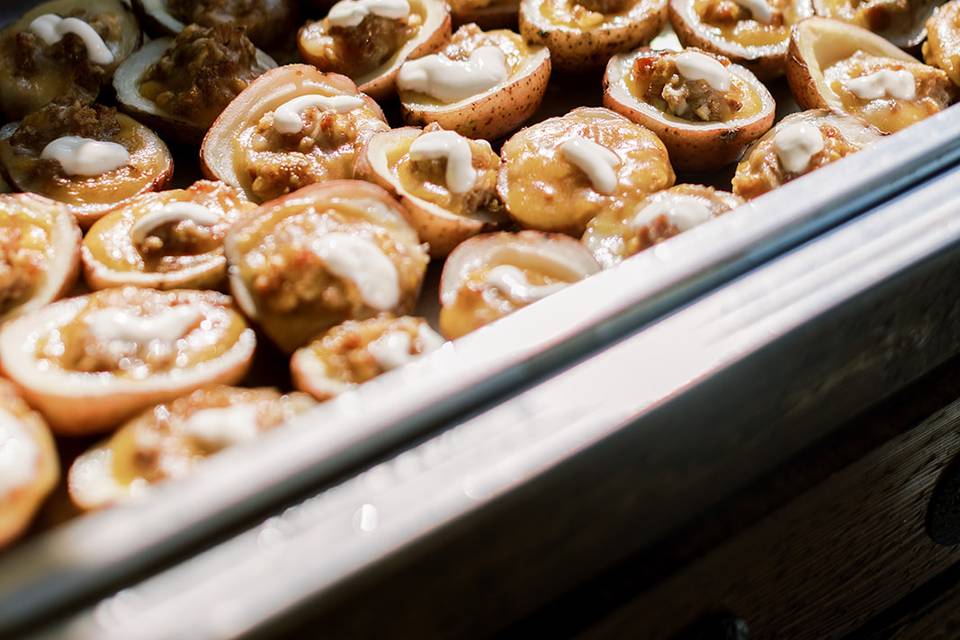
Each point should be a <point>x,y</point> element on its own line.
<point>759,9</point>
<point>452,147</point>
<point>85,157</point>
<point>884,83</point>
<point>18,454</point>
<point>796,144</point>
<point>453,80</point>
<point>350,13</point>
<point>288,117</point>
<point>513,283</point>
<point>172,212</point>
<point>599,163</point>
<point>109,325</point>
<point>51,28</point>
<point>683,212</point>
<point>697,66</point>
<point>396,348</point>
<point>364,264</point>
<point>223,427</point>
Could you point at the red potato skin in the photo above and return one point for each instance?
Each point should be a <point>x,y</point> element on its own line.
<point>86,216</point>
<point>385,86</point>
<point>699,149</point>
<point>267,34</point>
<point>347,189</point>
<point>222,125</point>
<point>18,508</point>
<point>443,234</point>
<point>492,117</point>
<point>802,85</point>
<point>580,51</point>
<point>766,66</point>
<point>67,417</point>
<point>73,272</point>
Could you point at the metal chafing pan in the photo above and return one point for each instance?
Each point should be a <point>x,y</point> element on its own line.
<point>98,553</point>
<point>491,518</point>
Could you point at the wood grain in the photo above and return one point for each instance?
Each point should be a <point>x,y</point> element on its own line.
<point>824,563</point>
<point>929,613</point>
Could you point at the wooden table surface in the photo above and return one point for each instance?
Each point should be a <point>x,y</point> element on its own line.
<point>850,513</point>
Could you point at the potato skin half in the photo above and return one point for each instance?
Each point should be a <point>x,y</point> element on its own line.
<point>495,113</point>
<point>440,229</point>
<point>695,146</point>
<point>767,63</point>
<point>579,50</point>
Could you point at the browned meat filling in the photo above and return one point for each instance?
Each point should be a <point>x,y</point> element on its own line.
<point>33,58</point>
<point>162,450</point>
<point>605,6</point>
<point>482,197</point>
<point>345,352</point>
<point>762,172</point>
<point>296,277</point>
<point>20,269</point>
<point>265,21</point>
<point>324,149</point>
<point>202,72</point>
<point>728,12</point>
<point>65,119</point>
<point>208,13</point>
<point>56,120</point>
<point>354,51</point>
<point>84,351</point>
<point>690,99</point>
<point>184,238</point>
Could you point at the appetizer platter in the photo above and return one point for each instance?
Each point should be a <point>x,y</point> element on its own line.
<point>226,218</point>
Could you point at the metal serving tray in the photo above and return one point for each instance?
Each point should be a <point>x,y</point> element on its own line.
<point>491,518</point>
<point>101,551</point>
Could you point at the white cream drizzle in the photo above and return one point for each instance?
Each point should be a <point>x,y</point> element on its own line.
<point>513,283</point>
<point>597,161</point>
<point>796,144</point>
<point>395,348</point>
<point>51,28</point>
<point>682,211</point>
<point>223,426</point>
<point>693,65</point>
<point>898,84</point>
<point>362,262</point>
<point>759,9</point>
<point>350,13</point>
<point>19,454</point>
<point>172,212</point>
<point>85,157</point>
<point>453,80</point>
<point>168,326</point>
<point>455,149</point>
<point>288,117</point>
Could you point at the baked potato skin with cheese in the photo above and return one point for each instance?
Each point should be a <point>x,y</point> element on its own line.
<point>441,229</point>
<point>18,508</point>
<point>493,115</point>
<point>693,146</point>
<point>583,50</point>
